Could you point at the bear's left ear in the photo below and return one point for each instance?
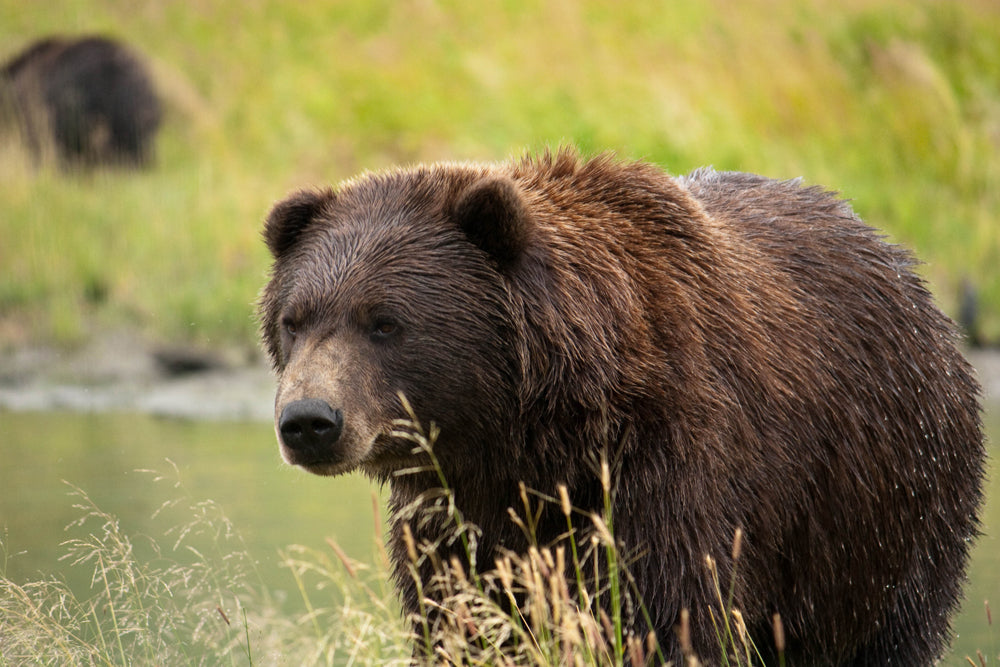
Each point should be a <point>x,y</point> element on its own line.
<point>289,217</point>
<point>492,214</point>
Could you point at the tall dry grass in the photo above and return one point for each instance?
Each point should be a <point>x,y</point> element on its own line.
<point>185,591</point>
<point>190,595</point>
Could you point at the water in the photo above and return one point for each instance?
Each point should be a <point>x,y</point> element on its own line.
<point>234,464</point>
<point>271,504</point>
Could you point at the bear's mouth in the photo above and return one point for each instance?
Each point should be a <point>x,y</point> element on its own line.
<point>331,459</point>
<point>318,461</point>
<point>325,468</point>
<point>384,456</point>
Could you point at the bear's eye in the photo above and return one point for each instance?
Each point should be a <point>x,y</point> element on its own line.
<point>384,328</point>
<point>288,324</point>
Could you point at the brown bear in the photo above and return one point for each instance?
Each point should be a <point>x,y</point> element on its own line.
<point>90,100</point>
<point>745,352</point>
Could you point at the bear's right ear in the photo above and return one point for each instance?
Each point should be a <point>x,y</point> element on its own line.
<point>289,217</point>
<point>492,214</point>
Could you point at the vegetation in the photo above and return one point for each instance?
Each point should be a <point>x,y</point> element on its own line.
<point>191,596</point>
<point>896,103</point>
<point>185,590</point>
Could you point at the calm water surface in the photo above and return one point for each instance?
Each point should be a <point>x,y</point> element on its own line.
<point>236,465</point>
<point>272,505</point>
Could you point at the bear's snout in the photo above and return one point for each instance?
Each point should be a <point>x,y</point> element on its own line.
<point>309,429</point>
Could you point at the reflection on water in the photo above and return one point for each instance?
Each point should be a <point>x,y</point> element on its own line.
<point>272,505</point>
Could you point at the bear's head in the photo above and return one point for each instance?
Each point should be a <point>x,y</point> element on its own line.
<point>397,285</point>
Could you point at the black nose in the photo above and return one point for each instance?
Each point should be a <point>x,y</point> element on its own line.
<point>310,425</point>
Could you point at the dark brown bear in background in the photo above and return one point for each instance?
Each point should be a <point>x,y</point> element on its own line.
<point>746,352</point>
<point>87,100</point>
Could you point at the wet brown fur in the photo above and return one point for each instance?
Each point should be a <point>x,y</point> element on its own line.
<point>746,351</point>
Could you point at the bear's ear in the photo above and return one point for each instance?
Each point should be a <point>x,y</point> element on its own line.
<point>493,215</point>
<point>289,217</point>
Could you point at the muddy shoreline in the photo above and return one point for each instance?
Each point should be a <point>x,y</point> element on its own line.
<point>122,373</point>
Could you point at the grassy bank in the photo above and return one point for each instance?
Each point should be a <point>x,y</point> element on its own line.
<point>895,103</point>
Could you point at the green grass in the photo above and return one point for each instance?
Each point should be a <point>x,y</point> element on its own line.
<point>895,103</point>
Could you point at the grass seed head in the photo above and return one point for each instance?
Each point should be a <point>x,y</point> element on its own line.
<point>567,508</point>
<point>779,633</point>
<point>684,633</point>
<point>411,545</point>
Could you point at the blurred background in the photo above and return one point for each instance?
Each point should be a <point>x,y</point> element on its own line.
<point>893,103</point>
<point>896,104</point>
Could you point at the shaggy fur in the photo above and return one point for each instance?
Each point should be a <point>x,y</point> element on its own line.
<point>746,352</point>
